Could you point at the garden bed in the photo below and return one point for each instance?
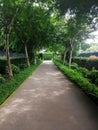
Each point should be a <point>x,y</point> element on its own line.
<point>90,89</point>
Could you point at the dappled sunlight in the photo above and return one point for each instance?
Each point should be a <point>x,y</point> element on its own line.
<point>54,73</point>
<point>58,93</point>
<point>46,93</point>
<point>34,78</point>
<point>16,107</point>
<point>17,101</point>
<point>68,88</point>
<point>29,91</point>
<point>23,105</point>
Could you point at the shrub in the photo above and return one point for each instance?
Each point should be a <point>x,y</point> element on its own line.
<point>87,63</point>
<point>22,66</point>
<point>15,61</point>
<point>83,71</point>
<point>89,88</point>
<point>93,75</point>
<point>15,69</point>
<point>47,56</point>
<point>2,80</point>
<point>96,82</point>
<point>3,64</point>
<point>74,65</point>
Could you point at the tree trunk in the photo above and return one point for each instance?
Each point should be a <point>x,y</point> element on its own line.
<point>34,56</point>
<point>8,55</point>
<point>54,55</point>
<point>70,58</point>
<point>71,51</point>
<point>7,33</point>
<point>64,57</point>
<point>27,57</point>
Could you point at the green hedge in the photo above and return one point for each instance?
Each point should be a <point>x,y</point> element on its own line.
<point>92,75</point>
<point>8,88</point>
<point>47,56</point>
<point>87,63</point>
<point>3,64</point>
<point>15,61</point>
<point>89,88</point>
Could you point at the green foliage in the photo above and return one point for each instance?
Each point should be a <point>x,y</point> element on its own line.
<point>89,88</point>
<point>8,88</point>
<point>3,64</point>
<point>87,63</point>
<point>83,71</point>
<point>22,66</point>
<point>93,76</point>
<point>15,69</point>
<point>96,82</point>
<point>90,75</point>
<point>2,80</point>
<point>74,65</point>
<point>47,56</point>
<point>16,61</point>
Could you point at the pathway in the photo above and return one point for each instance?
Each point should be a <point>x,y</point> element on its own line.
<point>47,100</point>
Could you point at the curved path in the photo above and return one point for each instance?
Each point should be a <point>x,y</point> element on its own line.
<point>47,100</point>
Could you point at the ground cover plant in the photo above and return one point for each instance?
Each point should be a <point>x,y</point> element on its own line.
<point>89,88</point>
<point>91,75</point>
<point>9,87</point>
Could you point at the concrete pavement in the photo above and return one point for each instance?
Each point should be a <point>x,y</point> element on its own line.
<point>47,100</point>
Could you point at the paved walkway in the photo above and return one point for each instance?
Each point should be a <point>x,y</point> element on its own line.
<point>48,101</point>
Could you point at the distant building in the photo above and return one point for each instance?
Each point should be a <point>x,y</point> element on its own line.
<point>88,54</point>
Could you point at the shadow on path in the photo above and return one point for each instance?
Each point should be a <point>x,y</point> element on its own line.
<point>47,100</point>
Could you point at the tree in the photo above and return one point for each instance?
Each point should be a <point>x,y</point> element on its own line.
<point>8,13</point>
<point>33,28</point>
<point>79,20</point>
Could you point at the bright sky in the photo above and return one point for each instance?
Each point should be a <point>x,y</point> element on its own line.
<point>94,40</point>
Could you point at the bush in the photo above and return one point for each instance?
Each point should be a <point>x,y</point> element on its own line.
<point>96,82</point>
<point>15,69</point>
<point>87,63</point>
<point>93,75</point>
<point>2,80</point>
<point>3,64</point>
<point>83,71</point>
<point>74,65</point>
<point>22,66</point>
<point>47,56</point>
<point>89,88</point>
<point>15,61</point>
